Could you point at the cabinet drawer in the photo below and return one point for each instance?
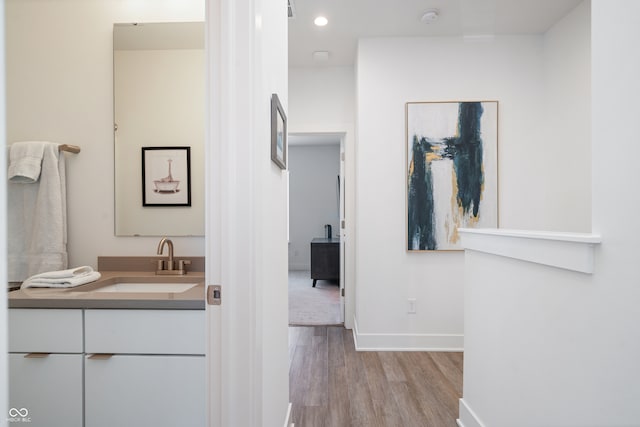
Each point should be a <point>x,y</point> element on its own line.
<point>145,331</point>
<point>45,330</point>
<point>47,391</point>
<point>132,391</point>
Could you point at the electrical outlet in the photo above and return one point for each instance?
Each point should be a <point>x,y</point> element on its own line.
<point>411,306</point>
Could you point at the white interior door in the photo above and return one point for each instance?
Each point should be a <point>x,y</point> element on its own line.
<point>246,247</point>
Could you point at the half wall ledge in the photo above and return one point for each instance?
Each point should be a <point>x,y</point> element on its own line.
<point>570,251</point>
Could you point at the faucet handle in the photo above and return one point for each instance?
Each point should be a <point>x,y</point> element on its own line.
<point>182,263</point>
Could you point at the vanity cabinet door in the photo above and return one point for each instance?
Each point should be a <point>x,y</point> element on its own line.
<point>45,367</point>
<point>45,390</point>
<point>145,331</point>
<point>140,390</point>
<point>45,330</point>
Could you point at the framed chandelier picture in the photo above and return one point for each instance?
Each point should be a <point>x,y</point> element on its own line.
<point>166,176</point>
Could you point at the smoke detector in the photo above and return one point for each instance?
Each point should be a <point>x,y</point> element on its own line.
<point>430,16</point>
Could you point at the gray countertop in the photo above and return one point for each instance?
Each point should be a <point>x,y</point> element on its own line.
<point>84,297</point>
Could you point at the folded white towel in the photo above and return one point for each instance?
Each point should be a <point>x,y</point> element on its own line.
<point>62,274</point>
<point>25,160</point>
<point>62,278</point>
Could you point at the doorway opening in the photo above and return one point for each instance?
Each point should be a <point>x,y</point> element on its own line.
<point>316,210</point>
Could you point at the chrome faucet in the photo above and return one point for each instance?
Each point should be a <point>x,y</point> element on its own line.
<point>169,266</point>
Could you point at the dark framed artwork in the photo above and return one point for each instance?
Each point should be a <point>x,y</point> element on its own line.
<point>452,171</point>
<point>166,176</point>
<point>278,133</point>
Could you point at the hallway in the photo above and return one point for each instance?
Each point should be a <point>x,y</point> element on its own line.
<point>332,385</point>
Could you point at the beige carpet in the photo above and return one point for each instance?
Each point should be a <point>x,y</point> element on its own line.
<point>313,306</point>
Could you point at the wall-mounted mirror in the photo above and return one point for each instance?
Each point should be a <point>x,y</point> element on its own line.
<point>159,101</point>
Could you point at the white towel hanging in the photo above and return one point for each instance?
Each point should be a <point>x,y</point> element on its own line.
<point>37,220</point>
<point>25,160</point>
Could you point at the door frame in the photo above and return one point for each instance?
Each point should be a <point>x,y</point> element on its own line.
<point>213,191</point>
<point>347,210</point>
<point>4,331</point>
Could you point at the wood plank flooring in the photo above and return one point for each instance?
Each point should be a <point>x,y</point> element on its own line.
<point>332,385</point>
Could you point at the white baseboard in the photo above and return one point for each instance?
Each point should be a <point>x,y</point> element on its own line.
<point>468,418</point>
<point>287,420</point>
<point>406,342</point>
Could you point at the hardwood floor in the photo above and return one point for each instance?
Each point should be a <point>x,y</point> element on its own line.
<point>332,385</point>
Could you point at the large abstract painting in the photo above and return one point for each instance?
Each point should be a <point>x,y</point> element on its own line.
<point>452,171</point>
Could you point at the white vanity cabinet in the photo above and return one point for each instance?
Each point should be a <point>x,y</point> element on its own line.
<point>45,367</point>
<point>107,367</point>
<point>144,368</point>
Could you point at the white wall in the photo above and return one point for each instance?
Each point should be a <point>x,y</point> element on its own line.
<point>533,346</point>
<point>546,347</point>
<point>611,306</point>
<point>321,97</point>
<point>565,145</point>
<point>392,72</point>
<point>60,88</point>
<point>313,198</point>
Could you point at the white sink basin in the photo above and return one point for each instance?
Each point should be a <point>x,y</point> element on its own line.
<point>146,287</point>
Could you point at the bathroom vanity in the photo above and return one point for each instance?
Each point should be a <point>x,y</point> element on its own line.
<point>91,357</point>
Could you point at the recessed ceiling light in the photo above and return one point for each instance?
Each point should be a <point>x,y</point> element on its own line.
<point>430,16</point>
<point>321,21</point>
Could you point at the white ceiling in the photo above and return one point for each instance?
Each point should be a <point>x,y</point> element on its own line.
<point>353,19</point>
